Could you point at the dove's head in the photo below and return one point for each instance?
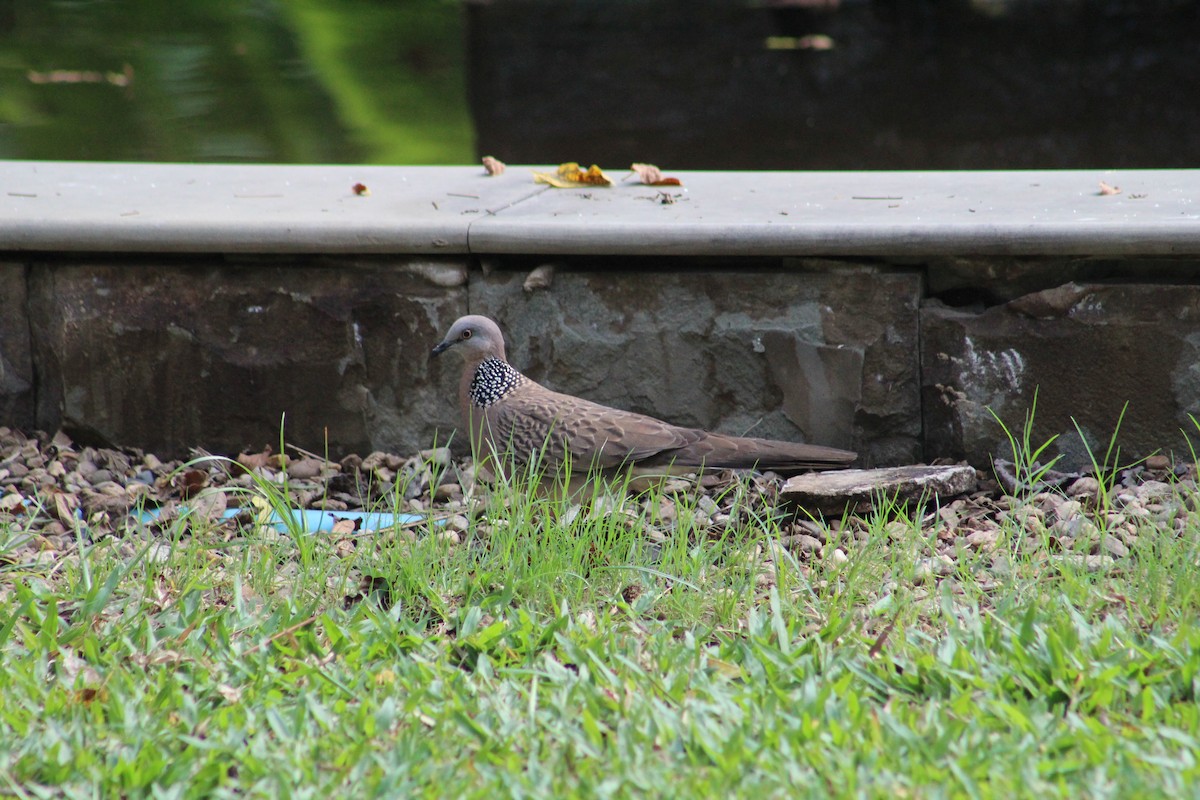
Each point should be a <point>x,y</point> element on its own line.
<point>475,338</point>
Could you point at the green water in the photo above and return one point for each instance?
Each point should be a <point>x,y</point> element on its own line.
<point>287,81</point>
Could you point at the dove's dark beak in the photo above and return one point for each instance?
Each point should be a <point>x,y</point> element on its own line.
<point>441,348</point>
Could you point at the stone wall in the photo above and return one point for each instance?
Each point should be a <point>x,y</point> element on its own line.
<point>900,361</point>
<point>1108,363</point>
<point>17,394</point>
<point>167,354</point>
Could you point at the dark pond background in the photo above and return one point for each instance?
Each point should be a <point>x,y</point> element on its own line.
<point>732,84</point>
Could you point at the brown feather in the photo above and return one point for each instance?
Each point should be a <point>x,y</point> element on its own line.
<point>527,420</point>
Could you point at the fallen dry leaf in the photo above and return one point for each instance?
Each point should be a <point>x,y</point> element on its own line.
<point>571,176</point>
<point>815,41</point>
<point>191,482</point>
<point>361,190</point>
<point>1106,189</point>
<point>102,502</point>
<point>229,693</point>
<point>345,527</point>
<point>494,166</point>
<point>252,461</point>
<point>124,78</point>
<point>306,469</point>
<point>210,506</point>
<point>64,506</point>
<point>12,501</point>
<point>652,175</point>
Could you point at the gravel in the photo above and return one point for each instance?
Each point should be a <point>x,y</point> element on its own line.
<point>55,494</point>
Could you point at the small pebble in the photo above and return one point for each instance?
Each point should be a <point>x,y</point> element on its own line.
<point>330,504</point>
<point>983,539</point>
<point>53,529</point>
<point>1154,491</point>
<point>413,490</point>
<point>1091,563</point>
<point>1026,514</point>
<point>305,469</point>
<point>803,542</point>
<point>103,475</point>
<point>1068,510</point>
<point>158,553</point>
<point>1084,487</point>
<point>941,566</point>
<point>1158,462</point>
<point>437,457</point>
<point>448,491</point>
<point>812,529</point>
<point>1076,527</point>
<point>1115,546</point>
<point>665,510</point>
<point>1124,499</point>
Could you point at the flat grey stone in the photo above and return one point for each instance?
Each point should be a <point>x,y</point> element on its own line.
<point>225,208</point>
<point>861,213</point>
<point>860,489</point>
<point>107,207</point>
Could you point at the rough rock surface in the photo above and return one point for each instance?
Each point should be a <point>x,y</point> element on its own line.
<point>825,354</point>
<point>1087,350</point>
<point>16,359</point>
<point>175,353</point>
<point>857,490</point>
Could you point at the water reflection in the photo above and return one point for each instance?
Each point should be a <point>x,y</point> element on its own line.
<point>312,81</point>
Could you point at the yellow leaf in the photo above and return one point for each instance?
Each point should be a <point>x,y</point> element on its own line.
<point>571,176</point>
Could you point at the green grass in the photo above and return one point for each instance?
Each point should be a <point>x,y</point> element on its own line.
<point>548,656</point>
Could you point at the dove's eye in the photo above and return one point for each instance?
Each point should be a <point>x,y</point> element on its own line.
<point>466,334</point>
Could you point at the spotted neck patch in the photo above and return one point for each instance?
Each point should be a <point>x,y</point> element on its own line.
<point>493,379</point>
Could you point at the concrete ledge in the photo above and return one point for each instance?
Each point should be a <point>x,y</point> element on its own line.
<point>180,208</point>
<point>172,208</point>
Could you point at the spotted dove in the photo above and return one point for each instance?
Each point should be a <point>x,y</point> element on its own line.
<point>513,418</point>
